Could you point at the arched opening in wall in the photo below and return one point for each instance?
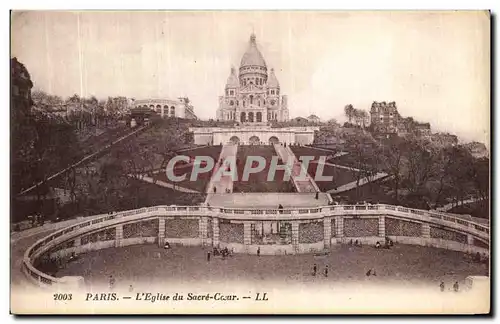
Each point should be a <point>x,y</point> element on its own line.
<point>251,99</point>
<point>165,110</point>
<point>250,117</point>
<point>254,140</point>
<point>273,140</point>
<point>258,117</point>
<point>158,108</point>
<point>243,117</point>
<point>152,107</point>
<point>172,111</point>
<point>234,140</point>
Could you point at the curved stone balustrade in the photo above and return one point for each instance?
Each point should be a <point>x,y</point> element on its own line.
<point>331,218</point>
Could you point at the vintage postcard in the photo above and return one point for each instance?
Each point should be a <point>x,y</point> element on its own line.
<point>250,162</point>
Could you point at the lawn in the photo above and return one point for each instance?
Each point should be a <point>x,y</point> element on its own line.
<point>376,192</point>
<point>480,209</point>
<point>200,184</point>
<point>310,151</point>
<point>212,151</point>
<point>257,182</point>
<point>340,176</point>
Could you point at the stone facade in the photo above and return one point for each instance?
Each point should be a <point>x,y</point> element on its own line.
<point>252,95</point>
<point>385,118</point>
<point>168,107</point>
<point>256,134</point>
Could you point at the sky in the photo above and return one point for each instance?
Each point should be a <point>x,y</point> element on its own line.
<point>434,65</point>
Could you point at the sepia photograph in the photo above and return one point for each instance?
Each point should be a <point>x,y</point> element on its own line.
<point>250,162</point>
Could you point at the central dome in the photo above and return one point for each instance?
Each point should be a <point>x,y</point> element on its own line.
<point>252,57</point>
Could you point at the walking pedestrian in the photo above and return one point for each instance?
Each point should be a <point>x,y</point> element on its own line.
<point>326,271</point>
<point>258,251</point>
<point>111,282</point>
<point>208,256</point>
<point>441,286</point>
<point>315,269</point>
<point>455,286</point>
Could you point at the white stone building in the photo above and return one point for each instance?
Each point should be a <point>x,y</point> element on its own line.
<point>168,107</point>
<point>252,95</point>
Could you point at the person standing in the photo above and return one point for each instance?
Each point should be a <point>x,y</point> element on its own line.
<point>258,251</point>
<point>208,256</point>
<point>441,286</point>
<point>315,269</point>
<point>326,271</point>
<point>455,286</point>
<point>111,282</point>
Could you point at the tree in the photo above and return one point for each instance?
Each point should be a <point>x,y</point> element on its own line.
<point>420,166</point>
<point>349,112</point>
<point>460,172</point>
<point>43,99</point>
<point>75,99</point>
<point>363,115</point>
<point>393,159</point>
<point>441,175</point>
<point>362,160</point>
<point>480,173</point>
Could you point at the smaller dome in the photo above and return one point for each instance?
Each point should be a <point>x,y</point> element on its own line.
<point>232,80</point>
<point>272,81</point>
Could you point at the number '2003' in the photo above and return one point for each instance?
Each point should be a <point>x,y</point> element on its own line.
<point>62,296</point>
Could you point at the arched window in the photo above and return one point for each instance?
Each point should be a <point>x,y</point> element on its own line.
<point>251,99</point>
<point>151,107</point>
<point>250,117</point>
<point>158,108</point>
<point>258,117</point>
<point>243,117</point>
<point>172,111</point>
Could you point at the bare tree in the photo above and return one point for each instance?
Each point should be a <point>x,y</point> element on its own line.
<point>349,112</point>
<point>393,157</point>
<point>420,166</point>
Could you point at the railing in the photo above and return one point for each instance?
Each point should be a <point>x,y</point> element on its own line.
<point>452,220</point>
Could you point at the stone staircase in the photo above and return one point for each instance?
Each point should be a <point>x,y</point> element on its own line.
<point>225,183</point>
<point>301,183</point>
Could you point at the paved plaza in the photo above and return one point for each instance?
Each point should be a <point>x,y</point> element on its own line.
<point>149,264</point>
